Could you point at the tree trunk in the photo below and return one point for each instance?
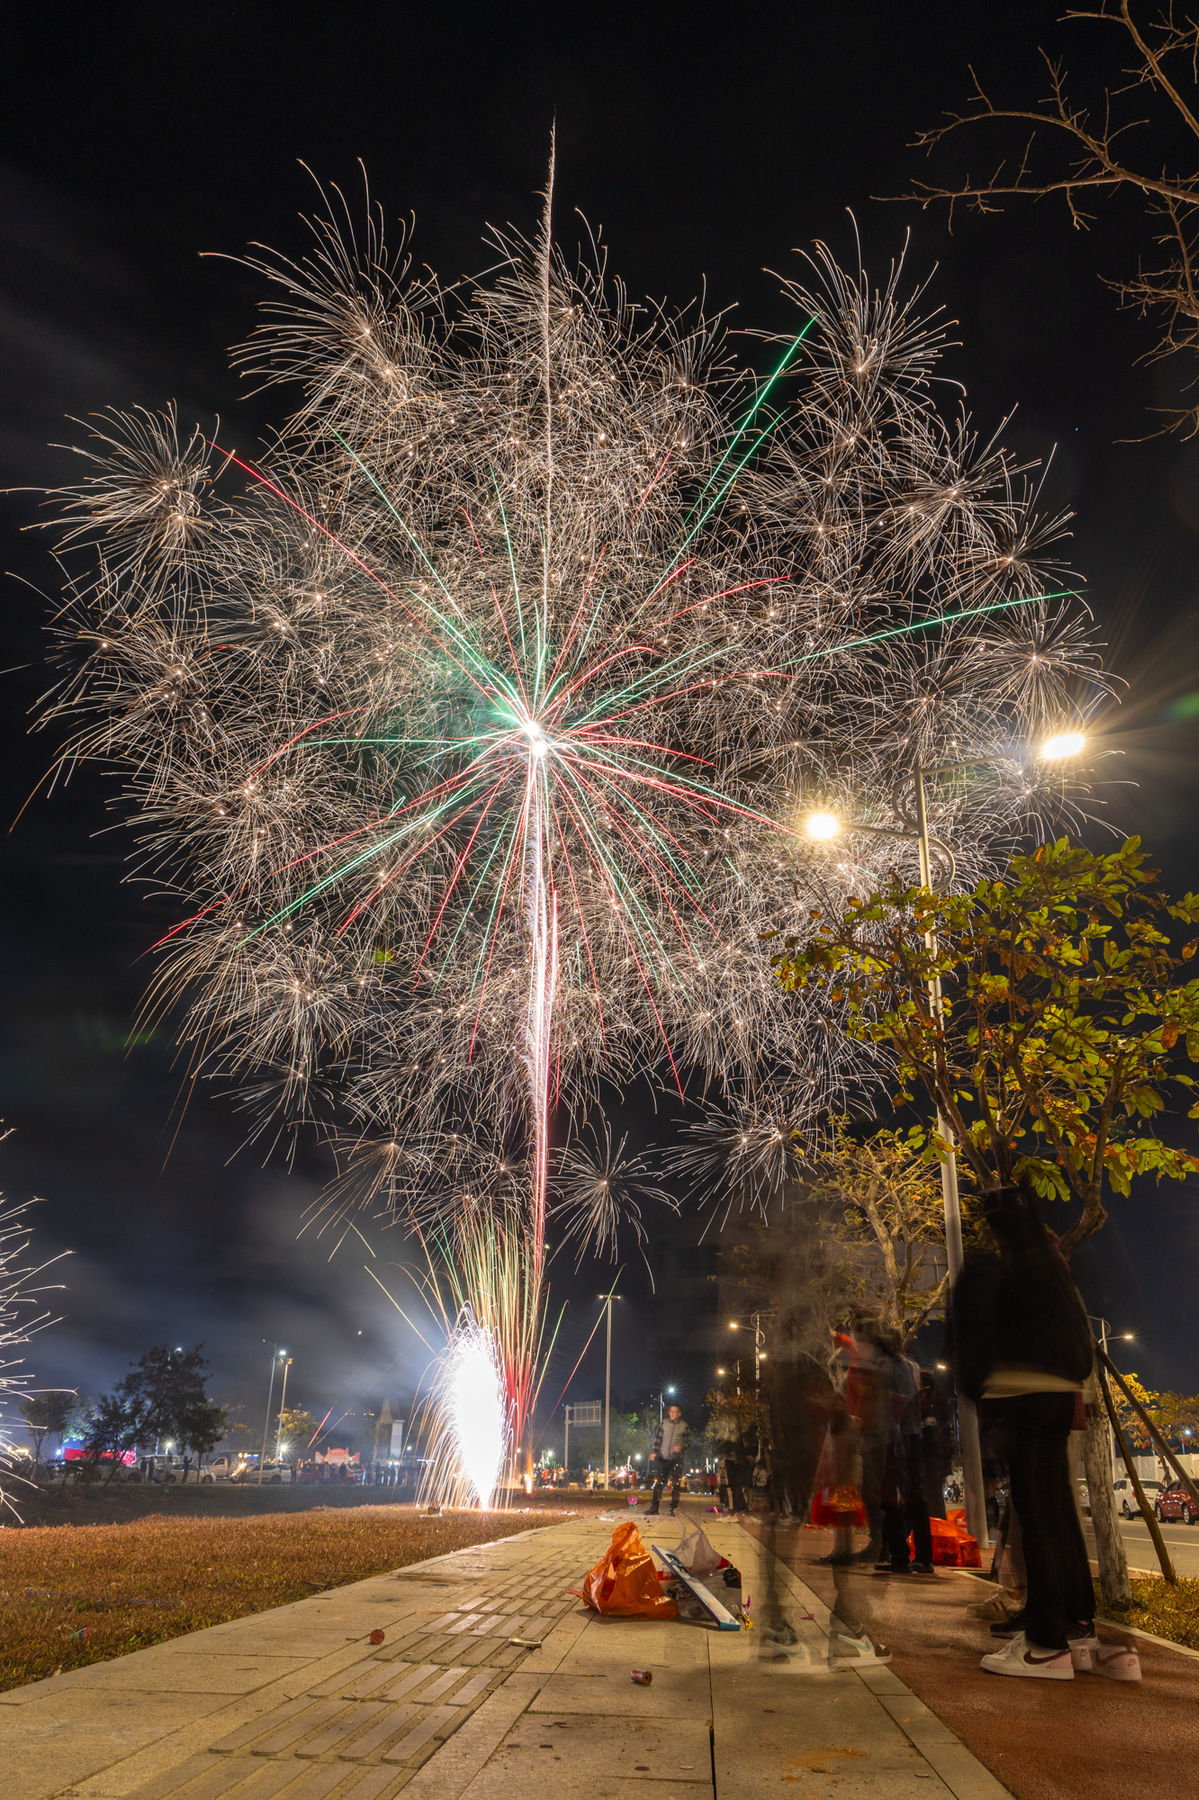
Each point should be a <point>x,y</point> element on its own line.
<point>1109,1544</point>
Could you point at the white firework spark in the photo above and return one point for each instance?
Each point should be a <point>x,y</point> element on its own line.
<point>473,723</point>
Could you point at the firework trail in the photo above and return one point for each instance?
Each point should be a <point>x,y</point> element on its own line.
<point>473,723</point>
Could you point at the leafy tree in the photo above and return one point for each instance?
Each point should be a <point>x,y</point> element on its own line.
<point>1171,1413</point>
<point>885,1202</point>
<point>1065,1019</point>
<point>165,1390</point>
<point>200,1426</point>
<point>296,1431</point>
<point>45,1414</point>
<point>113,1427</point>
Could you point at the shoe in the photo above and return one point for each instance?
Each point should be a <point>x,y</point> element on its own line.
<point>782,1633</point>
<point>1117,1662</point>
<point>923,1569</point>
<point>866,1555</point>
<point>846,1652</point>
<point>834,1561</point>
<point>892,1568</point>
<point>1007,1628</point>
<point>1091,1657</point>
<point>1022,1658</point>
<point>997,1606</point>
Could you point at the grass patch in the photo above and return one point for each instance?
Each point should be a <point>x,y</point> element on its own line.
<point>72,1595</point>
<point>1168,1612</point>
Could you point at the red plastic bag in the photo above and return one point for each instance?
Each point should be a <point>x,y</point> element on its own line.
<point>625,1581</point>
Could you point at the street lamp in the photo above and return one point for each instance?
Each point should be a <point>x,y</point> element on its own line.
<point>276,1353</point>
<point>282,1410</point>
<point>823,826</point>
<point>607,1300</point>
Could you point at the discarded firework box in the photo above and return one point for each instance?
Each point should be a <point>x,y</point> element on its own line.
<point>953,1546</point>
<point>720,1615</point>
<point>625,1582</point>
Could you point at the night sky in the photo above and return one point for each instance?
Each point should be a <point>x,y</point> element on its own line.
<point>708,145</point>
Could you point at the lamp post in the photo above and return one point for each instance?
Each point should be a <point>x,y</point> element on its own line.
<point>270,1394</point>
<point>282,1410</point>
<point>755,1320</point>
<point>607,1300</point>
<point>824,826</point>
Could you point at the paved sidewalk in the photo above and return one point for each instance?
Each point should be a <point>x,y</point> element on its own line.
<point>295,1704</point>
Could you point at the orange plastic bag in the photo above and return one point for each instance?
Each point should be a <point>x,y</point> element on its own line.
<point>624,1581</point>
<point>953,1547</point>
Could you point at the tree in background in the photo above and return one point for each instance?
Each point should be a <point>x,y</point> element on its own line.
<point>113,1428</point>
<point>1064,1023</point>
<point>44,1415</point>
<point>884,1200</point>
<point>1175,1415</point>
<point>297,1429</point>
<point>1143,139</point>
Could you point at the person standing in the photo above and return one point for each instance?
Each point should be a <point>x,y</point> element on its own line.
<point>671,1439</point>
<point>1023,1350</point>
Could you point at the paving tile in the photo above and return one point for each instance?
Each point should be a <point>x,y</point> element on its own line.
<point>342,1728</point>
<point>254,1728</point>
<point>392,1720</point>
<point>420,1734</point>
<point>311,1719</point>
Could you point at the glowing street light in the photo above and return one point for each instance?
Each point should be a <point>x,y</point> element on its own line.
<point>1061,746</point>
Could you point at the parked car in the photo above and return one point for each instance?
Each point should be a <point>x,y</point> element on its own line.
<point>1126,1500</point>
<point>223,1468</point>
<point>247,1473</point>
<point>1176,1502</point>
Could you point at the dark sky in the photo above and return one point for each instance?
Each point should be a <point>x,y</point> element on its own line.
<point>709,145</point>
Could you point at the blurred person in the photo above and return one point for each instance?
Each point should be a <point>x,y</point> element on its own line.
<point>936,1443</point>
<point>1023,1351</point>
<point>904,1510</point>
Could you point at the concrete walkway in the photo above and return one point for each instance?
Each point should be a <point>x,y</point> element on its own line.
<point>295,1704</point>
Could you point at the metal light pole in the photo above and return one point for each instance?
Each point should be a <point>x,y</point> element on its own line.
<point>608,1299</point>
<point>282,1410</point>
<point>972,1461</point>
<point>566,1444</point>
<point>270,1394</point>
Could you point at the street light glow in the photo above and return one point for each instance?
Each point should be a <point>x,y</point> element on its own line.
<point>1064,744</point>
<point>823,825</point>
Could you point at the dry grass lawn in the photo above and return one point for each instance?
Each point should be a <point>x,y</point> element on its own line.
<point>71,1595</point>
<point>1168,1612</point>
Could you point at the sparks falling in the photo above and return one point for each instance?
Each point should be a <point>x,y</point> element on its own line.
<point>473,722</point>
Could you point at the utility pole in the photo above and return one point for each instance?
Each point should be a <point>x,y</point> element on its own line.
<point>566,1444</point>
<point>972,1462</point>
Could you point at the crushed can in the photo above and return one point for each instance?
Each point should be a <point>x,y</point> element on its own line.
<point>643,1677</point>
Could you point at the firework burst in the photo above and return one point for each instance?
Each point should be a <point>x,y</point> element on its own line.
<point>473,722</point>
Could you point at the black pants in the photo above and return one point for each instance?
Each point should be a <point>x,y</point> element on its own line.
<point>669,1470</point>
<point>1031,1434</point>
<point>905,1508</point>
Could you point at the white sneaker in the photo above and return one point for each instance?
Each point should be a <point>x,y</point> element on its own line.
<point>845,1652</point>
<point>1020,1657</point>
<point>1116,1661</point>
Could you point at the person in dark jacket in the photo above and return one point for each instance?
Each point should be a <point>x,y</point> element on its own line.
<point>1023,1350</point>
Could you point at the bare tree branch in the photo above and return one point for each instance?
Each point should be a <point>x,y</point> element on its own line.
<point>1100,159</point>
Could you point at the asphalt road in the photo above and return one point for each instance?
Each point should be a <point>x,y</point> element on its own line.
<point>1182,1541</point>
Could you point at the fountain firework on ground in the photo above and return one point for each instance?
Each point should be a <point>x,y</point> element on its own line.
<point>473,723</point>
